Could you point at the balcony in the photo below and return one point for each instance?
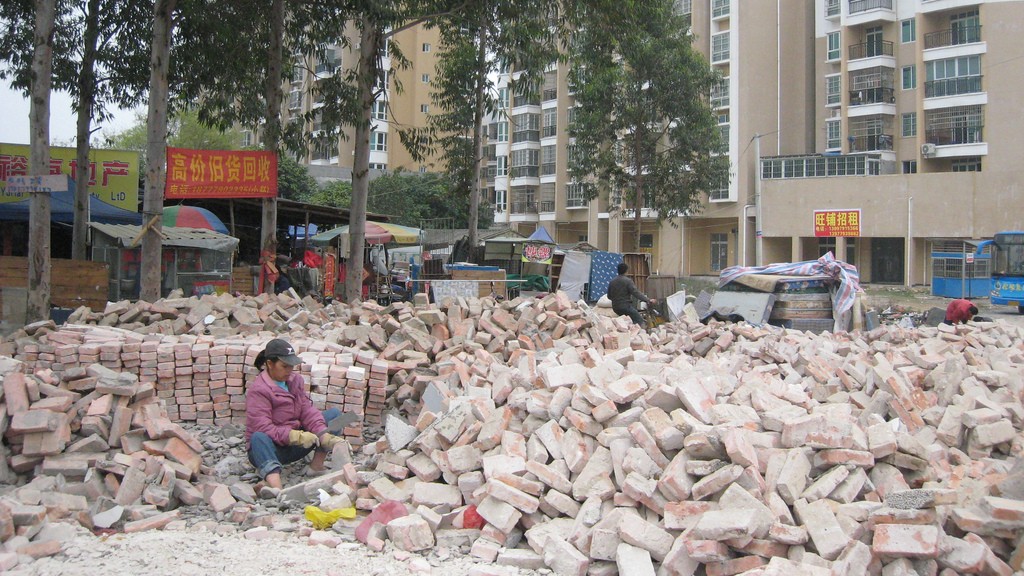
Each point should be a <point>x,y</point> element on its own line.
<point>858,6</point>
<point>524,207</point>
<point>870,49</point>
<point>872,143</point>
<point>550,131</point>
<point>547,169</point>
<point>867,96</point>
<point>547,206</point>
<point>952,37</point>
<point>526,136</point>
<point>550,94</point>
<point>952,86</point>
<point>955,136</point>
<point>525,171</point>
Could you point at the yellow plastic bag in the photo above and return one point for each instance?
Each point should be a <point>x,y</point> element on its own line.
<point>323,520</point>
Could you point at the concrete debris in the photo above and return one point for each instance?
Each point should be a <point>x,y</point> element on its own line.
<point>536,434</point>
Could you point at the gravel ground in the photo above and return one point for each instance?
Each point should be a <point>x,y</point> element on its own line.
<point>199,552</point>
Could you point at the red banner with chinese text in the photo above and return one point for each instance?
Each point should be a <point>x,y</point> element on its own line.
<point>220,174</point>
<point>837,223</point>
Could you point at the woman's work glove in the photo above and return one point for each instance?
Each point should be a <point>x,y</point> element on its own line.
<point>329,441</point>
<point>302,438</point>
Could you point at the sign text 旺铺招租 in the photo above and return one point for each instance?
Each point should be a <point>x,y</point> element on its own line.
<point>220,174</point>
<point>113,174</point>
<point>837,223</point>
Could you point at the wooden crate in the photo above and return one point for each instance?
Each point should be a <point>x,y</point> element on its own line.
<point>73,283</point>
<point>487,281</point>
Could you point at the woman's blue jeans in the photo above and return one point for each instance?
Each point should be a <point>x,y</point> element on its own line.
<point>268,457</point>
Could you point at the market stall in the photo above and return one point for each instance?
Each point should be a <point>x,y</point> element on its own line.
<point>195,260</point>
<point>381,280</point>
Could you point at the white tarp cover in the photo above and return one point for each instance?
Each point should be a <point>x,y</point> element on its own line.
<point>575,274</point>
<point>125,234</point>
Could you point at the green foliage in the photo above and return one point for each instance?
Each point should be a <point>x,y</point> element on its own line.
<point>337,193</point>
<point>293,180</point>
<point>411,198</point>
<point>184,131</point>
<point>643,123</point>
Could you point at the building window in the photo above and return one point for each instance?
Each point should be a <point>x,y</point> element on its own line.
<point>425,108</point>
<point>972,164</point>
<point>909,77</point>
<point>379,141</point>
<point>719,8</point>
<point>909,123</point>
<point>502,131</point>
<point>833,135</point>
<point>575,195</point>
<point>426,47</point>
<point>425,78</point>
<point>720,47</point>
<point>503,98</point>
<point>380,110</point>
<point>965,27</point>
<point>721,192</point>
<point>502,165</point>
<point>382,80</point>
<point>832,8</point>
<point>826,245</point>
<point>526,128</point>
<point>547,160</point>
<point>833,89</point>
<point>910,166</point>
<point>719,252</point>
<point>378,166</point>
<point>720,94</point>
<point>834,50</point>
<point>500,200</point>
<point>525,163</point>
<point>550,127</point>
<point>908,30</point>
<point>953,76</point>
<point>247,138</point>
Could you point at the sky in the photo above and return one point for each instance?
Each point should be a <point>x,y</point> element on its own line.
<point>14,119</point>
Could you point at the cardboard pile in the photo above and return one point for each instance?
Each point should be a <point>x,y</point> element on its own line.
<point>538,434</point>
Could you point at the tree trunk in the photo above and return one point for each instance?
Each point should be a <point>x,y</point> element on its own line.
<point>156,150</point>
<point>370,37</point>
<point>638,169</point>
<point>38,304</point>
<point>272,132</point>
<point>478,141</point>
<point>86,103</point>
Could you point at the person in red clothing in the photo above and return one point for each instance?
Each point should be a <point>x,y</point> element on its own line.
<point>960,311</point>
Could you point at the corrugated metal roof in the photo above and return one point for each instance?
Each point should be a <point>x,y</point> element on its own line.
<point>125,234</point>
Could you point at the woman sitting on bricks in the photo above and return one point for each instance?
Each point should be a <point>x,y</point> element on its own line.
<point>281,423</point>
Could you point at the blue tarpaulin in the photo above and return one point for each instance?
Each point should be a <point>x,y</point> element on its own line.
<point>62,209</point>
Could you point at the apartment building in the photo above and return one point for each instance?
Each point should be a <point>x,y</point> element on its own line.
<point>877,129</point>
<point>404,103</point>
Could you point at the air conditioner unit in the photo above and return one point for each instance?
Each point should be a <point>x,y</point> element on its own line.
<point>928,149</point>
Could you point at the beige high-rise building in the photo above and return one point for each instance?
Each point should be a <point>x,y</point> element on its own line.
<point>887,130</point>
<point>404,103</point>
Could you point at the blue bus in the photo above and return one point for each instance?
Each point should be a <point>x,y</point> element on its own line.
<point>1007,269</point>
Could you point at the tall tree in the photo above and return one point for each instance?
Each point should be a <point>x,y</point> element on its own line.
<point>643,122</point>
<point>476,43</point>
<point>156,149</point>
<point>38,307</point>
<point>109,70</point>
<point>412,198</point>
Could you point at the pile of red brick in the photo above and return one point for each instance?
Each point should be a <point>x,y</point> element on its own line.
<point>588,447</point>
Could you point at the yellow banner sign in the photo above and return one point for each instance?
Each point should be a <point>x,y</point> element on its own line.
<point>113,174</point>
